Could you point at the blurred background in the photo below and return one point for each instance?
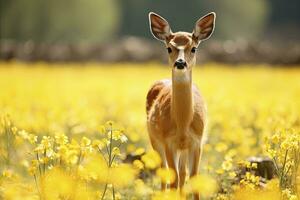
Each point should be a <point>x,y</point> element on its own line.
<point>256,31</point>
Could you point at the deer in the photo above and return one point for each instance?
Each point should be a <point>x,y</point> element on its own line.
<point>176,111</point>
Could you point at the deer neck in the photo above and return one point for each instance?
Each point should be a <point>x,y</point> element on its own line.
<point>182,98</point>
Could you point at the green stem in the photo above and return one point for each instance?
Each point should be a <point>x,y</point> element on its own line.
<point>114,196</point>
<point>103,155</point>
<point>276,166</point>
<point>110,148</point>
<point>37,188</point>
<point>7,147</point>
<point>79,157</point>
<point>282,176</point>
<point>38,159</point>
<point>109,151</point>
<point>114,156</point>
<point>284,163</point>
<point>104,191</point>
<point>45,155</point>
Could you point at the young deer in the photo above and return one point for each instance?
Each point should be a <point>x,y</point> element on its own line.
<point>175,109</point>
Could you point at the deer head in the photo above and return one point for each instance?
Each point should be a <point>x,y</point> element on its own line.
<point>182,46</point>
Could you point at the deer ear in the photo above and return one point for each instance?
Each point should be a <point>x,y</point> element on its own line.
<point>159,27</point>
<point>204,27</point>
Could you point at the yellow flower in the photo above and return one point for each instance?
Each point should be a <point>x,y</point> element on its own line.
<point>61,139</point>
<point>122,175</point>
<point>68,155</point>
<point>105,141</point>
<point>98,144</point>
<point>109,123</point>
<point>74,145</point>
<point>57,184</point>
<point>151,159</point>
<point>222,197</point>
<point>44,160</point>
<point>250,179</point>
<point>116,135</point>
<point>231,153</point>
<point>220,171</point>
<point>288,195</point>
<point>46,142</point>
<point>14,130</point>
<point>39,149</point>
<point>18,190</point>
<point>102,129</point>
<point>232,174</point>
<point>254,165</point>
<point>285,145</point>
<point>275,138</point>
<point>272,153</point>
<point>35,163</point>
<point>167,195</point>
<point>134,137</point>
<point>248,193</point>
<point>130,148</point>
<point>141,188</point>
<point>95,168</point>
<point>123,138</point>
<point>203,184</point>
<point>166,175</point>
<point>62,151</point>
<point>118,196</point>
<point>227,165</point>
<point>32,138</point>
<point>247,164</point>
<point>221,147</point>
<point>139,151</point>
<point>7,173</point>
<point>23,134</point>
<point>72,157</point>
<point>138,164</point>
<point>85,142</point>
<point>116,151</point>
<point>32,170</point>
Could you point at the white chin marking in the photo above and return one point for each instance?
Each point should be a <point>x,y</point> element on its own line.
<point>181,75</point>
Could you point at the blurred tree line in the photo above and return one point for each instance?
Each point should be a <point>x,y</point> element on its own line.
<point>59,20</point>
<point>102,20</point>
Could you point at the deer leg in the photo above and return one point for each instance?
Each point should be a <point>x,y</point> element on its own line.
<point>172,161</point>
<point>163,186</point>
<point>182,171</point>
<point>194,161</point>
<point>160,149</point>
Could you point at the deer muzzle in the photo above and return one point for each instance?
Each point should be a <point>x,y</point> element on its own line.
<point>180,64</point>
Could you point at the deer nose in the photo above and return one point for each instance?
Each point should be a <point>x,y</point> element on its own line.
<point>180,64</point>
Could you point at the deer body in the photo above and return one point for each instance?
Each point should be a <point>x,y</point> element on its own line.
<point>175,109</point>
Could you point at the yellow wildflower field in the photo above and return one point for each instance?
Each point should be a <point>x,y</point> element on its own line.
<point>66,129</point>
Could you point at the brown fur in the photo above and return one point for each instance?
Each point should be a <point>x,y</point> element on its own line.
<point>152,94</point>
<point>176,113</point>
<point>176,117</point>
<point>181,40</point>
<point>159,112</point>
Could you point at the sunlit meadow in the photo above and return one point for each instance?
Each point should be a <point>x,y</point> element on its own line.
<point>66,130</point>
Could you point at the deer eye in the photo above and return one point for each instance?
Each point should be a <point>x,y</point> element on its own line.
<point>193,49</point>
<point>169,50</point>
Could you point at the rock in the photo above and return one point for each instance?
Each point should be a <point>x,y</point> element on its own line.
<point>265,167</point>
